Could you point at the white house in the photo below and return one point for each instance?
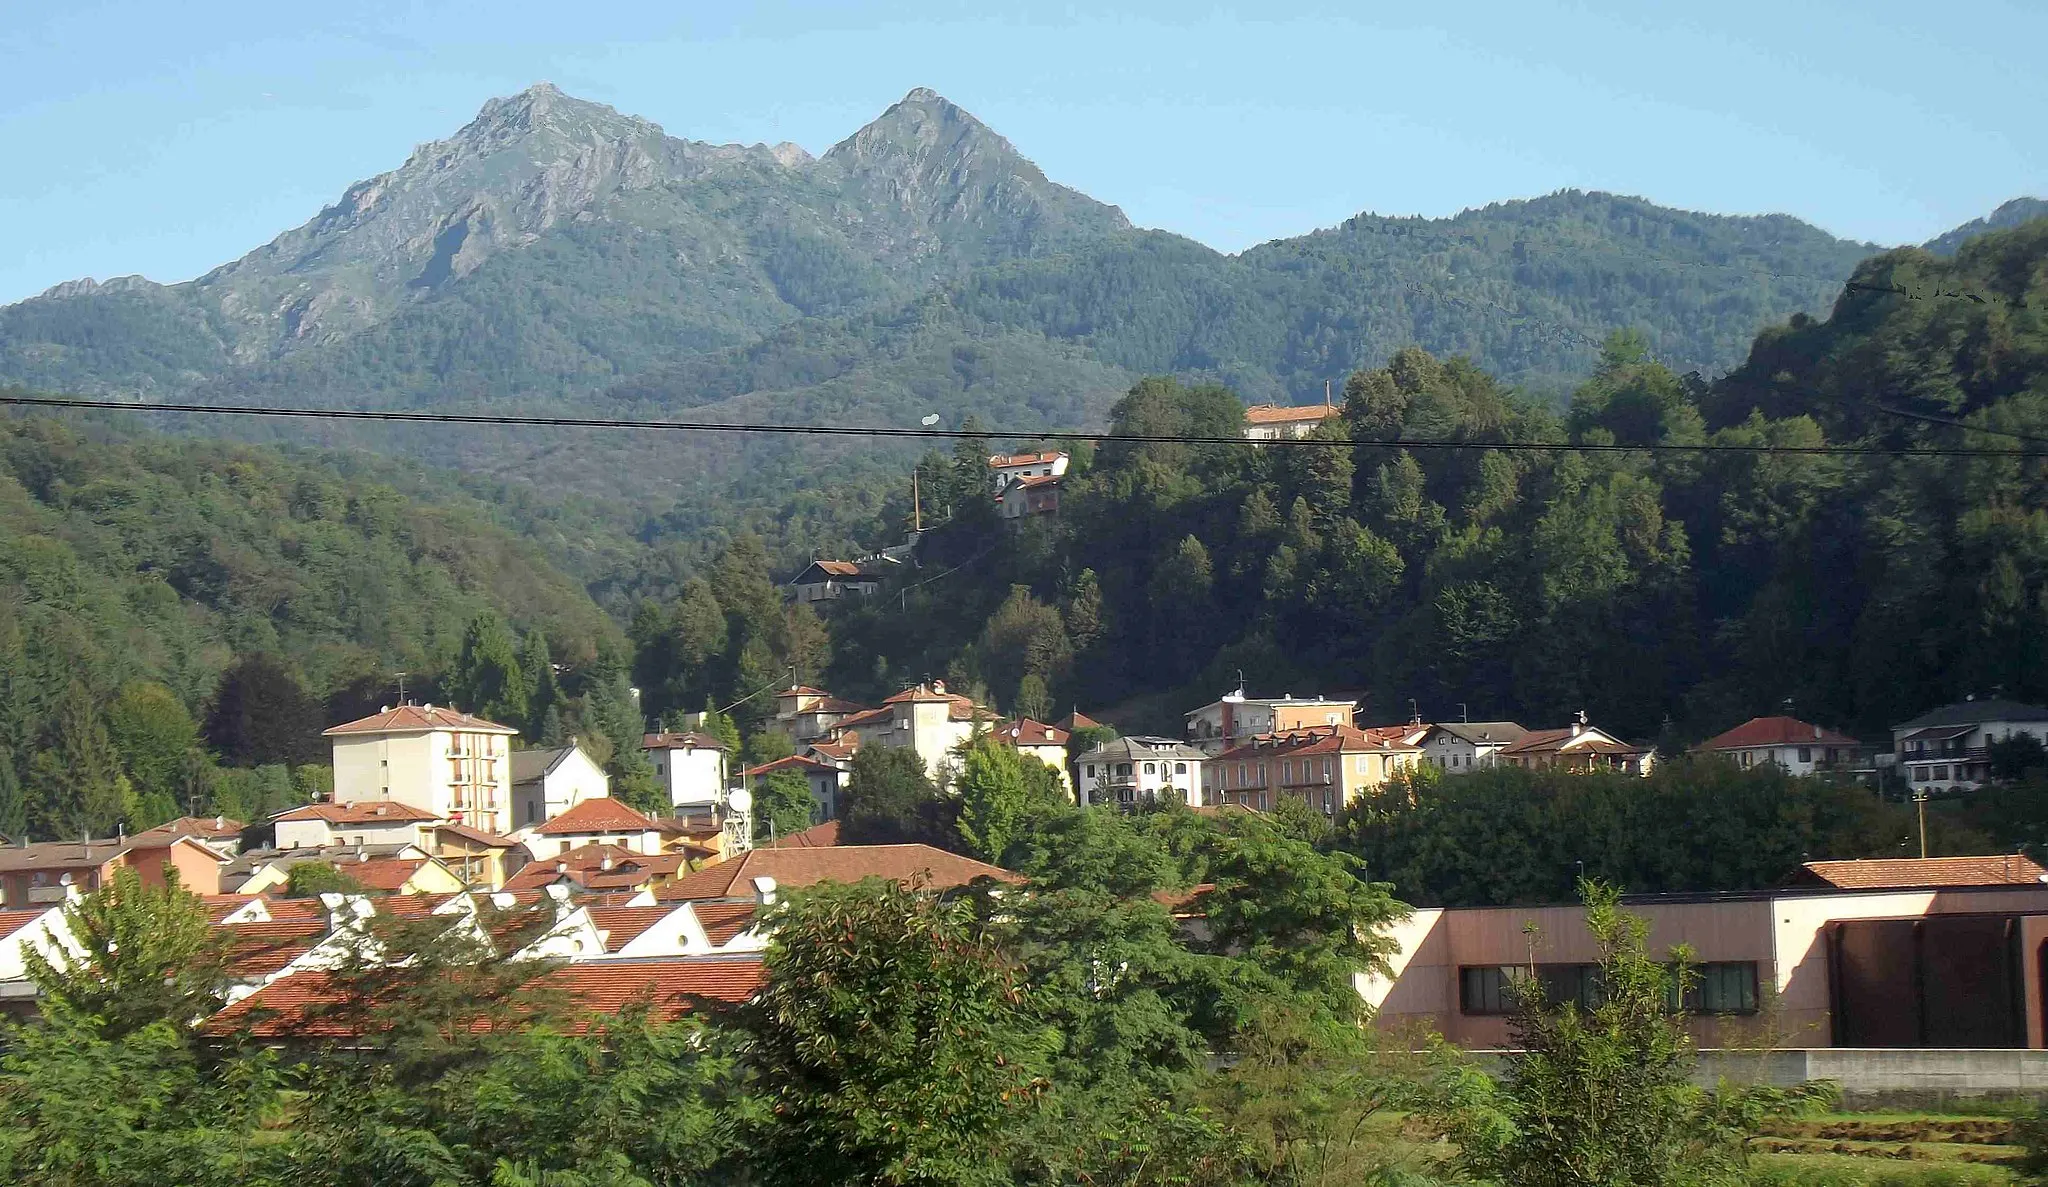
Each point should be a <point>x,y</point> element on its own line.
<point>1273,422</point>
<point>38,929</point>
<point>603,821</point>
<point>438,760</point>
<point>1029,496</point>
<point>691,768</point>
<point>1005,468</point>
<point>1136,769</point>
<point>361,822</point>
<point>1949,748</point>
<point>926,718</point>
<point>547,783</point>
<point>1576,747</point>
<point>1236,719</point>
<point>1462,745</point>
<point>829,581</point>
<point>1784,742</point>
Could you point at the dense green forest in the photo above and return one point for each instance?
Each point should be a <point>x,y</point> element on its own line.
<point>170,607</point>
<point>1668,593</point>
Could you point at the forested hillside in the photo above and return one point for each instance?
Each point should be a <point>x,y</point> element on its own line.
<point>168,603</point>
<point>1664,592</point>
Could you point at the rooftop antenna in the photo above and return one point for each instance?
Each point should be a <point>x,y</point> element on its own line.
<point>401,688</point>
<point>1464,714</point>
<point>1414,710</point>
<point>1326,394</point>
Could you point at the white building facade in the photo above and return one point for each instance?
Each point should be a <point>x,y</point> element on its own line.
<point>439,760</point>
<point>547,783</point>
<point>690,768</point>
<point>1134,770</point>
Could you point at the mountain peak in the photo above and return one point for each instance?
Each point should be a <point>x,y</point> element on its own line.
<point>2009,214</point>
<point>546,107</point>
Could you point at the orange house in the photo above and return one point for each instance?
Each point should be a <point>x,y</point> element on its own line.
<point>43,873</point>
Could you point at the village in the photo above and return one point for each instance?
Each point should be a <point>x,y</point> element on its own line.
<point>436,813</point>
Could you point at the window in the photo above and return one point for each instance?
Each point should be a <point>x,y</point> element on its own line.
<point>1123,768</point>
<point>1806,754</point>
<point>1286,770</point>
<point>1920,774</point>
<point>1941,772</point>
<point>1091,770</point>
<point>1724,987</point>
<point>1180,768</point>
<point>1149,769</point>
<point>1486,989</point>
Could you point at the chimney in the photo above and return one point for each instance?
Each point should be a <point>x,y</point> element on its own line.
<point>606,864</point>
<point>1579,724</point>
<point>1816,733</point>
<point>70,886</point>
<point>764,890</point>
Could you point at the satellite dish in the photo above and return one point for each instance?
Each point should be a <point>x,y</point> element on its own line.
<point>739,799</point>
<point>929,421</point>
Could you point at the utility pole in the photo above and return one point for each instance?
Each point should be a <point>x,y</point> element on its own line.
<point>1920,802</point>
<point>916,504</point>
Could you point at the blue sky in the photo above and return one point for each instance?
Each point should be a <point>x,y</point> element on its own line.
<point>168,138</point>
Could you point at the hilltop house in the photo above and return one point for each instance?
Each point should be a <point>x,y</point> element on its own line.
<point>1576,747</point>
<point>549,782</point>
<point>829,581</point>
<point>1005,468</point>
<point>1029,496</point>
<point>926,718</point>
<point>1326,766</point>
<point>1785,742</point>
<point>439,760</point>
<point>1463,745</point>
<point>1136,769</point>
<point>806,714</point>
<point>1950,747</point>
<point>1274,422</point>
<point>1236,718</point>
<point>361,822</point>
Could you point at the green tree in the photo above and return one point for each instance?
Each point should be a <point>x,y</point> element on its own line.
<point>543,689</point>
<point>889,797</point>
<point>1083,612</point>
<point>143,955</point>
<point>487,679</point>
<point>994,795</point>
<point>1033,700</point>
<point>1602,1093</point>
<point>156,739</point>
<point>892,1040</point>
<point>75,783</point>
<point>783,804</point>
<point>262,715</point>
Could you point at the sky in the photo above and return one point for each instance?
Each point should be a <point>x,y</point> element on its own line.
<point>166,139</point>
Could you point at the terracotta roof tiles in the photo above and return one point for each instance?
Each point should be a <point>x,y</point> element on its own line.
<point>599,815</point>
<point>1777,731</point>
<point>1911,873</point>
<point>413,719</point>
<point>794,868</point>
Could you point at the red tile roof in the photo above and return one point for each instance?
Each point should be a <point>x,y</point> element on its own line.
<point>723,921</point>
<point>1777,731</point>
<point>476,836</point>
<point>14,921</point>
<point>387,874</point>
<point>794,868</point>
<point>921,694</point>
<point>600,815</point>
<point>1914,873</point>
<point>358,812</point>
<point>818,836</point>
<point>678,739</point>
<point>1547,741</point>
<point>586,868</point>
<point>412,719</point>
<point>1036,480</point>
<point>259,949</point>
<point>1318,739</point>
<point>867,717</point>
<point>1026,732</point>
<point>1078,720</point>
<point>205,828</point>
<point>623,925</point>
<point>842,751</point>
<point>1004,460</point>
<point>220,906</point>
<point>1266,414</point>
<point>837,568</point>
<point>668,984</point>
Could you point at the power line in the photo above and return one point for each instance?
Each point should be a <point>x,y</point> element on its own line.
<point>1073,436</point>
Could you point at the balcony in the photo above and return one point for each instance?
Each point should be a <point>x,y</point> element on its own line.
<point>1964,754</point>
